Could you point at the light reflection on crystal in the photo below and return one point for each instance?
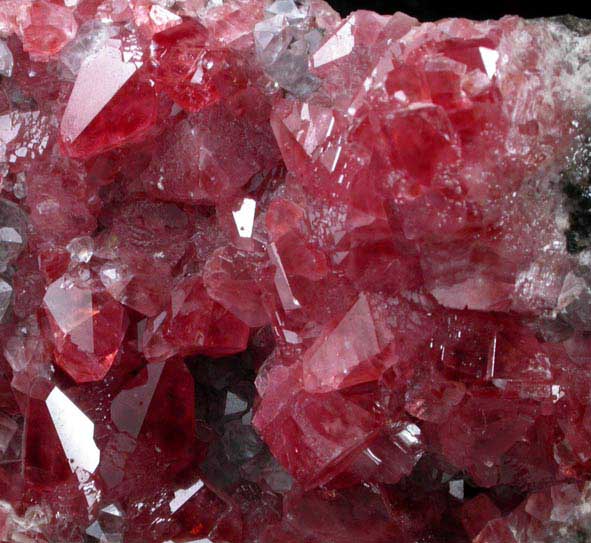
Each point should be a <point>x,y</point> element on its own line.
<point>81,249</point>
<point>183,495</point>
<point>162,18</point>
<point>91,38</point>
<point>281,281</point>
<point>71,307</point>
<point>75,431</point>
<point>244,217</point>
<point>5,297</point>
<point>115,277</point>
<point>109,526</point>
<point>115,72</point>
<point>6,60</point>
<point>334,356</point>
<point>129,407</point>
<point>12,232</point>
<point>337,46</point>
<point>234,404</point>
<point>456,489</point>
<point>410,435</point>
<point>490,58</point>
<point>22,529</point>
<point>9,236</point>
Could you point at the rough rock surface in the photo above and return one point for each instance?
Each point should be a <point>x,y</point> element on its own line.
<point>270,275</point>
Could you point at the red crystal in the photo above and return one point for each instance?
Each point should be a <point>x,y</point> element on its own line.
<point>87,326</point>
<point>183,65</point>
<point>120,111</point>
<point>269,275</point>
<point>193,324</point>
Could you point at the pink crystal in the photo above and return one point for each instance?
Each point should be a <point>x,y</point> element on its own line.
<point>87,325</point>
<point>45,28</point>
<point>269,275</point>
<point>125,99</point>
<point>184,65</point>
<point>193,324</point>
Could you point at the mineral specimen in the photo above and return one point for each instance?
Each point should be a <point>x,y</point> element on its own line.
<point>270,275</point>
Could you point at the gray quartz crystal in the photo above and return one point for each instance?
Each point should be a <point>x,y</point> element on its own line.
<point>284,42</point>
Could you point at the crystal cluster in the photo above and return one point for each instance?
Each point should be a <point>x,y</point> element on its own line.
<point>270,275</point>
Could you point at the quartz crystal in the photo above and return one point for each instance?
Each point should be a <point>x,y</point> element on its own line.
<point>273,275</point>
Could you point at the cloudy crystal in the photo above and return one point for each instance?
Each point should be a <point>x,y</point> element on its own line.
<point>6,60</point>
<point>12,232</point>
<point>81,249</point>
<point>8,428</point>
<point>5,297</point>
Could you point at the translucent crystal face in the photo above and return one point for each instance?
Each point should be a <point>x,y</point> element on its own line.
<point>6,60</point>
<point>271,275</point>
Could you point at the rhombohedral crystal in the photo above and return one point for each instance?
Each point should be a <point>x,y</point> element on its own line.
<point>270,275</point>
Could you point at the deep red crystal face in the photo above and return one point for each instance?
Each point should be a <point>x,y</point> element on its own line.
<point>270,275</point>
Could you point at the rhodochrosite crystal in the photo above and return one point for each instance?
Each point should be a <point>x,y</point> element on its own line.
<point>270,275</point>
